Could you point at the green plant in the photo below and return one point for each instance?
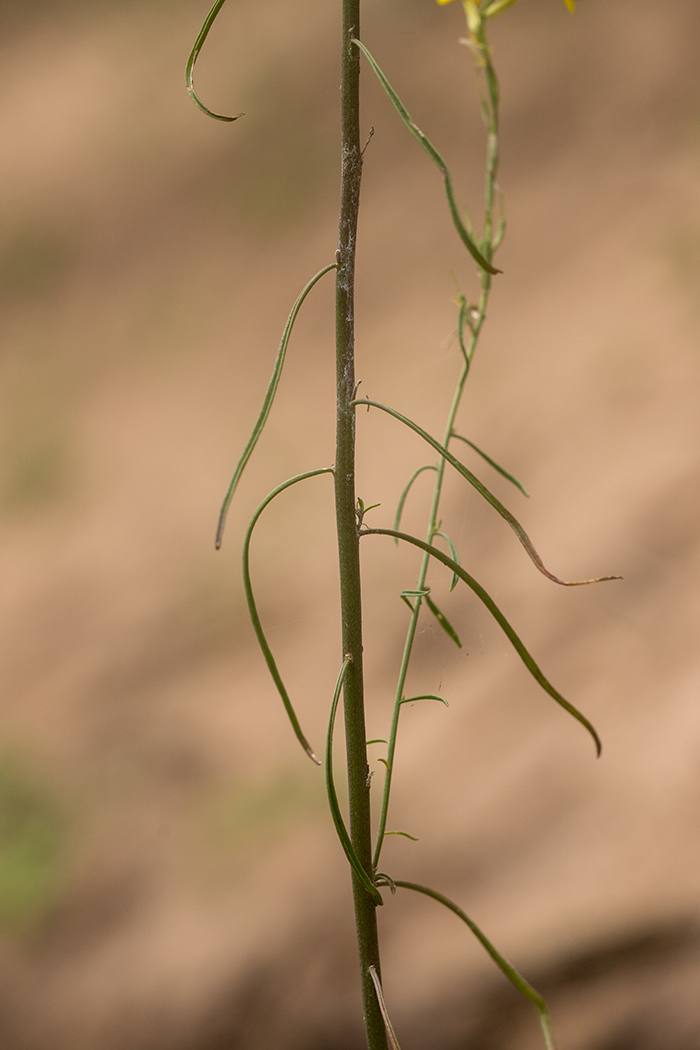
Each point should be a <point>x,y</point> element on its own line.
<point>31,846</point>
<point>361,842</point>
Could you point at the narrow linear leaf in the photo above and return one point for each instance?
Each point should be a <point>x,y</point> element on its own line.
<point>483,491</point>
<point>424,696</point>
<point>436,158</point>
<point>404,834</point>
<point>404,495</point>
<point>192,60</point>
<point>492,463</point>
<point>267,403</point>
<point>510,972</point>
<point>382,1006</point>
<point>454,552</point>
<point>377,740</point>
<point>253,612</point>
<point>443,621</point>
<point>340,828</point>
<point>499,618</point>
<point>362,510</point>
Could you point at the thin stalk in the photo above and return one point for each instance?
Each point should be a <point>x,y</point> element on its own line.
<point>348,540</point>
<point>490,101</point>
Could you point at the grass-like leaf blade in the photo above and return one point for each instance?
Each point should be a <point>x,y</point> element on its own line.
<point>267,403</point>
<point>492,463</point>
<point>443,621</point>
<point>499,618</point>
<point>252,608</point>
<point>404,495</point>
<point>483,491</point>
<point>424,696</point>
<point>340,828</point>
<point>436,158</point>
<point>192,60</point>
<point>453,551</point>
<point>504,966</point>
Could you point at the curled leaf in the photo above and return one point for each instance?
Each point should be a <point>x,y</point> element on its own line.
<point>404,494</point>
<point>253,612</point>
<point>382,879</point>
<point>192,60</point>
<point>455,554</point>
<point>423,696</point>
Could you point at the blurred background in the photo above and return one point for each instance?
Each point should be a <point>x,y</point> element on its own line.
<point>169,876</point>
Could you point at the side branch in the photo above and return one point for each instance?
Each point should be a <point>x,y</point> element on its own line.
<point>500,619</point>
<point>486,493</point>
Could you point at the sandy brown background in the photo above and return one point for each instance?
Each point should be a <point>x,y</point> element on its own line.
<point>168,873</point>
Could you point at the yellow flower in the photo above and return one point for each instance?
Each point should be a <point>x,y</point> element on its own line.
<point>495,7</point>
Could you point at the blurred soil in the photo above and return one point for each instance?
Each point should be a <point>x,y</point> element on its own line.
<point>168,874</point>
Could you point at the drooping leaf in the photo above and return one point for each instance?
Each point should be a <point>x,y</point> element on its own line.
<point>252,608</point>
<point>499,618</point>
<point>504,966</point>
<point>340,828</point>
<point>192,60</point>
<point>455,554</point>
<point>436,158</point>
<point>267,403</point>
<point>492,462</point>
<point>404,495</point>
<point>488,496</point>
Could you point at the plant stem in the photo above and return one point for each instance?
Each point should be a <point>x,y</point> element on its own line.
<point>490,101</point>
<point>348,540</point>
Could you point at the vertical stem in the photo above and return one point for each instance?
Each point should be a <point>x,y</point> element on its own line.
<point>348,541</point>
<point>490,111</point>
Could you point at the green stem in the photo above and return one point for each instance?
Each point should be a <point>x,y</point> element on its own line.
<point>490,110</point>
<point>348,540</point>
